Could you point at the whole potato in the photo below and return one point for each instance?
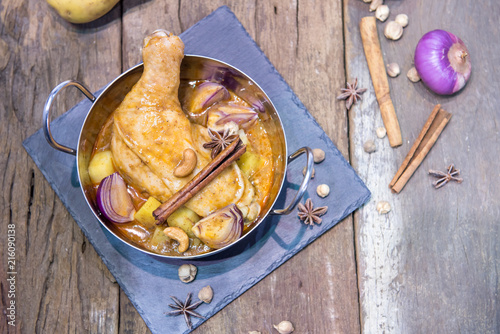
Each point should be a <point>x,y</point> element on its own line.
<point>82,11</point>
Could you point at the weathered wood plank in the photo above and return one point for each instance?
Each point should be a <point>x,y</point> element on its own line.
<point>76,293</point>
<point>317,288</point>
<point>430,265</point>
<point>61,283</point>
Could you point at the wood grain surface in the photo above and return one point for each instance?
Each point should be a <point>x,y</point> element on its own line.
<point>429,266</point>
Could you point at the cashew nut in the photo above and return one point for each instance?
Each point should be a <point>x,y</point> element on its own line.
<point>187,164</point>
<point>179,235</point>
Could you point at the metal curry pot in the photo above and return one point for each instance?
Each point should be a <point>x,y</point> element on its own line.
<point>192,68</point>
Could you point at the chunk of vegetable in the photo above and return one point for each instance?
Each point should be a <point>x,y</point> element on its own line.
<point>159,238</point>
<point>221,228</point>
<point>204,96</point>
<point>101,166</point>
<point>243,137</point>
<point>184,218</point>
<point>249,163</point>
<point>145,213</point>
<point>113,199</point>
<point>243,116</point>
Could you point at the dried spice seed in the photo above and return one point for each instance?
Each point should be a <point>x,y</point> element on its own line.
<point>375,4</point>
<point>393,70</point>
<point>186,309</point>
<point>443,178</point>
<point>369,146</point>
<point>219,141</point>
<point>304,170</point>
<point>352,93</point>
<point>284,327</point>
<point>413,75</point>
<point>381,132</point>
<point>323,190</point>
<point>319,155</point>
<point>382,12</point>
<point>206,294</point>
<point>309,214</point>
<point>402,19</point>
<point>187,272</point>
<point>383,207</point>
<point>393,30</point>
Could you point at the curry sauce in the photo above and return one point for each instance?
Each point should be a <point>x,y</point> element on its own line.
<point>257,165</point>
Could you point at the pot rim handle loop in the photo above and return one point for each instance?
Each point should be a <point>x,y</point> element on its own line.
<point>46,112</point>
<point>305,181</point>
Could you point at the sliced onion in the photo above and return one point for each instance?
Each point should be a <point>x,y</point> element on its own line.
<point>209,93</point>
<point>113,200</point>
<point>204,96</point>
<point>244,120</point>
<point>239,86</point>
<point>221,228</point>
<point>244,117</point>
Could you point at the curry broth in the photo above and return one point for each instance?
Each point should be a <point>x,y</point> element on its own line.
<point>261,179</point>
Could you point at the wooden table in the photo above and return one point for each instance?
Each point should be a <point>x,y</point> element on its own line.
<point>429,266</point>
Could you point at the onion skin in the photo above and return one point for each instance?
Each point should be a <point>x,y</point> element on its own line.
<point>244,117</point>
<point>221,228</point>
<point>442,62</point>
<point>204,96</point>
<point>113,200</point>
<point>244,120</point>
<point>213,92</point>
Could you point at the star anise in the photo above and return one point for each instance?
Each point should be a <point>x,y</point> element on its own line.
<point>186,309</point>
<point>309,215</point>
<point>352,93</point>
<point>220,140</point>
<point>444,178</point>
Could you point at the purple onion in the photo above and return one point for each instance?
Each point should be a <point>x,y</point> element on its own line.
<point>221,228</point>
<point>204,96</point>
<point>243,116</point>
<point>114,201</point>
<point>212,93</point>
<point>244,120</point>
<point>442,62</point>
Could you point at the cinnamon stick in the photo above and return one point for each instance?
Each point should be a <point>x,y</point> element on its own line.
<point>373,53</point>
<point>204,177</point>
<point>423,144</point>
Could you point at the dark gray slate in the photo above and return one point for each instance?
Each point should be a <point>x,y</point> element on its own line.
<point>148,281</point>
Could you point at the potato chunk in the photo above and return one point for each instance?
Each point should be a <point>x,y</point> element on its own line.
<point>185,219</point>
<point>249,163</point>
<point>101,166</point>
<point>145,213</point>
<point>159,238</point>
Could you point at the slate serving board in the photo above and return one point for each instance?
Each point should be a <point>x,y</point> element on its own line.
<point>220,35</point>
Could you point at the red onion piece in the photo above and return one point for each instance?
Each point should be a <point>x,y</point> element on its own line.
<point>200,118</point>
<point>114,201</point>
<point>442,62</point>
<point>212,93</point>
<point>244,117</point>
<point>244,120</point>
<point>204,96</point>
<point>221,228</point>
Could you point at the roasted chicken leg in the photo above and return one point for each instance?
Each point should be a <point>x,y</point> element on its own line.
<point>151,132</point>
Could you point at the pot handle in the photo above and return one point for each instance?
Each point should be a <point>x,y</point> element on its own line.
<point>305,181</point>
<point>46,113</point>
